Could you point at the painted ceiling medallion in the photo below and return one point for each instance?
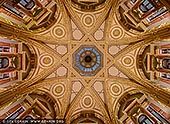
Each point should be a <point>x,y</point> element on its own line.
<point>87,102</point>
<point>88,20</point>
<point>58,90</point>
<point>87,60</point>
<point>128,61</point>
<point>46,61</point>
<point>116,32</point>
<point>116,89</point>
<point>58,31</point>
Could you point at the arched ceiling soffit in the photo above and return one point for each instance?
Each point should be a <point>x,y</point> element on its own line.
<point>21,58</point>
<point>103,24</point>
<point>47,61</point>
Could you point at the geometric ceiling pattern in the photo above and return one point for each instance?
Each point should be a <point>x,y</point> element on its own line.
<point>85,61</point>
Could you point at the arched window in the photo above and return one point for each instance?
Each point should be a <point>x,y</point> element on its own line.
<point>4,49</point>
<point>143,119</point>
<point>167,76</point>
<point>166,63</point>
<point>28,4</point>
<point>16,113</point>
<point>157,14</point>
<point>4,76</point>
<point>145,6</point>
<point>4,62</point>
<point>157,115</point>
<point>165,51</point>
<point>14,10</point>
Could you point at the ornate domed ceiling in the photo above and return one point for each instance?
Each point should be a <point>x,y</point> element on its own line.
<point>85,61</point>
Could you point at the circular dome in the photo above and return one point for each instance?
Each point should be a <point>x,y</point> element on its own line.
<point>87,60</point>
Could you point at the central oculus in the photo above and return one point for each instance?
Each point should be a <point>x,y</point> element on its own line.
<point>87,60</point>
